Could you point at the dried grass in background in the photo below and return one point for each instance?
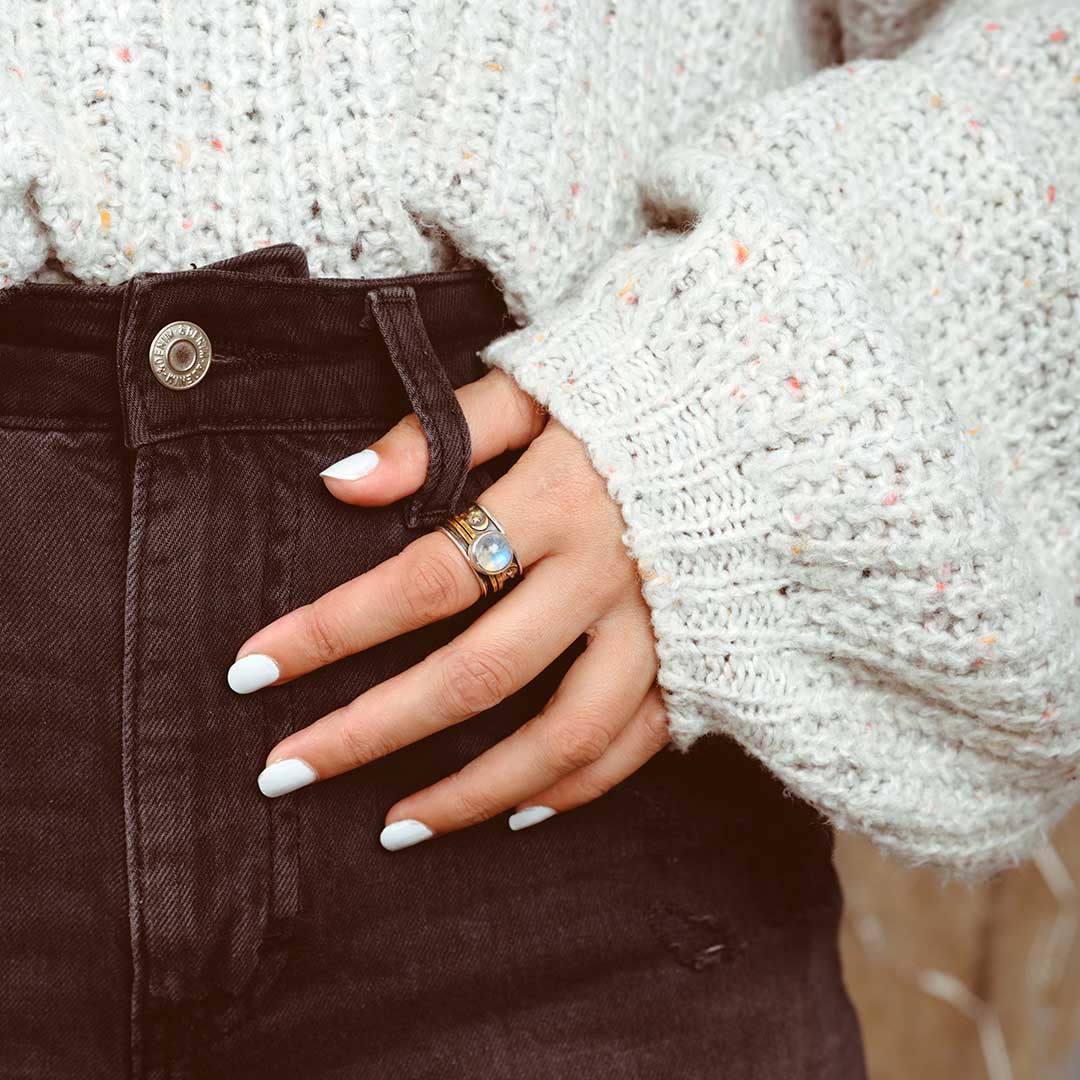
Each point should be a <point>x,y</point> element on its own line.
<point>965,982</point>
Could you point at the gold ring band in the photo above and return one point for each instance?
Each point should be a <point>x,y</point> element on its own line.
<point>486,547</point>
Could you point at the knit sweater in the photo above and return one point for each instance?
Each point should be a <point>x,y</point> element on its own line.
<point>803,277</point>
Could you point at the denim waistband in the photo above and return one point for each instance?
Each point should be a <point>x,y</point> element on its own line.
<point>289,351</point>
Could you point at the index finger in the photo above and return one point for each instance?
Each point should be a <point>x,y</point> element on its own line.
<point>499,414</point>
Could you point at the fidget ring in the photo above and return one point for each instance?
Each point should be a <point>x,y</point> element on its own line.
<point>487,549</point>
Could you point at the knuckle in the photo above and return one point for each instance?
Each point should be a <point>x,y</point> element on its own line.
<point>410,426</point>
<point>576,485</point>
<point>470,806</point>
<point>574,745</point>
<point>411,442</point>
<point>572,491</point>
<point>601,586</point>
<point>429,589</point>
<point>589,787</point>
<point>639,642</point>
<point>323,633</point>
<point>530,415</point>
<point>605,576</point>
<point>477,679</point>
<point>359,744</point>
<point>654,724</point>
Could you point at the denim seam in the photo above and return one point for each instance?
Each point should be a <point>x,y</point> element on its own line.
<point>10,423</point>
<point>244,279</point>
<point>266,892</point>
<point>291,601</point>
<point>228,350</point>
<point>133,634</point>
<point>313,424</point>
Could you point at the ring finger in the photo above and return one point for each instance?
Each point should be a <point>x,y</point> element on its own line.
<point>579,727</point>
<point>644,735</point>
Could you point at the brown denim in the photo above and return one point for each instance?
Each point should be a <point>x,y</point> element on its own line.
<point>162,919</point>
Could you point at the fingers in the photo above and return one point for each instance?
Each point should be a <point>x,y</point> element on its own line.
<point>643,736</point>
<point>427,581</point>
<point>507,647</point>
<point>577,730</point>
<point>499,414</point>
<point>602,723</point>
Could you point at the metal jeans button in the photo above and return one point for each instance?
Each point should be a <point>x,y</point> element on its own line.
<point>180,355</point>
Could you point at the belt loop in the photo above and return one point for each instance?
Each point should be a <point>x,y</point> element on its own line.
<point>132,415</point>
<point>397,314</point>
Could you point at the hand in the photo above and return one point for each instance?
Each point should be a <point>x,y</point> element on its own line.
<point>605,719</point>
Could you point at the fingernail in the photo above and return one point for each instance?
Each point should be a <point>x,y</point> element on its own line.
<point>285,776</point>
<point>252,672</point>
<point>404,834</point>
<point>531,815</point>
<point>352,467</point>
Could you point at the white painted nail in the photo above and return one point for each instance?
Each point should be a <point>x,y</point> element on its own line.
<point>404,834</point>
<point>352,467</point>
<point>285,776</point>
<point>531,815</point>
<point>253,672</point>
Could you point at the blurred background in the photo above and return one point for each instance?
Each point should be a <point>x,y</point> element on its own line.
<point>961,982</point>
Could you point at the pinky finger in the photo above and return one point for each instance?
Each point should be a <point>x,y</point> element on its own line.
<point>643,736</point>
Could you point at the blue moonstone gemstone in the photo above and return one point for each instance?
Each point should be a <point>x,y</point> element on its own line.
<point>491,552</point>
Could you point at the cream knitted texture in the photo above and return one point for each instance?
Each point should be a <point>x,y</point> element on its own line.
<point>816,324</point>
<point>840,415</point>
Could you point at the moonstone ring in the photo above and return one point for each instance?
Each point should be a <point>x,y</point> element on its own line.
<point>487,549</point>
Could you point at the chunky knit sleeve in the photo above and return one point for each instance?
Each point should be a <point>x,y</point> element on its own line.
<point>25,242</point>
<point>833,391</point>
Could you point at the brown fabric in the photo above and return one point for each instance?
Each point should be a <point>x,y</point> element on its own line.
<point>159,917</point>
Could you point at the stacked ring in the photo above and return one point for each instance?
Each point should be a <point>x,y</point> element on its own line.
<point>486,547</point>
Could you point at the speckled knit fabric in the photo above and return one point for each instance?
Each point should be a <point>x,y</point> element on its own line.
<point>803,277</point>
